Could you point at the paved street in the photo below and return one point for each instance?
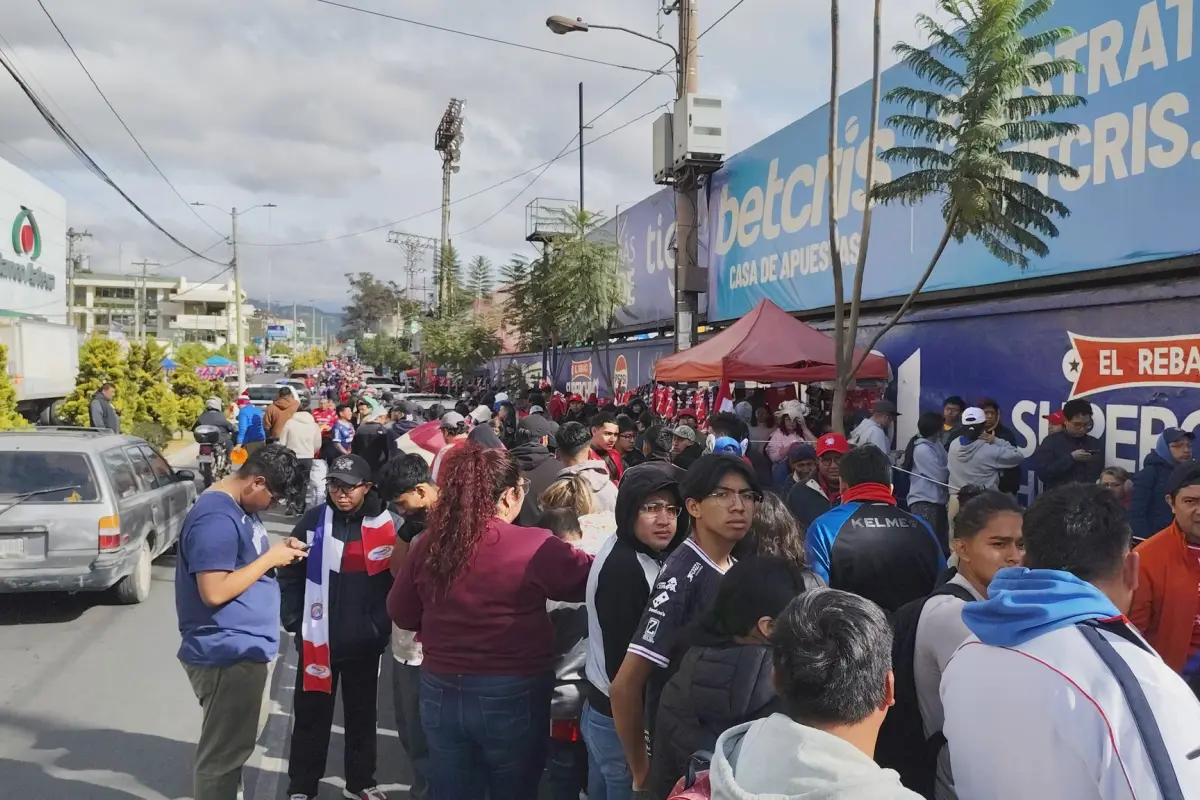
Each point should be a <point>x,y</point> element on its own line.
<point>94,705</point>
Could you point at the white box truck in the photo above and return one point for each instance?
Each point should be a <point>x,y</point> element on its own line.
<point>43,360</point>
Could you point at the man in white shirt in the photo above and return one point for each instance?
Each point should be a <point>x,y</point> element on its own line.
<point>1055,695</point>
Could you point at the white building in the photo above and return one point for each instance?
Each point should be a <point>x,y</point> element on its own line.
<point>33,259</point>
<point>171,310</point>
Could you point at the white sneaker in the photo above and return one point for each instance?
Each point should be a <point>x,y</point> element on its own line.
<point>373,793</point>
<point>299,797</point>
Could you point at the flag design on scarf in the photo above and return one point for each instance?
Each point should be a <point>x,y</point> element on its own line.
<point>325,557</point>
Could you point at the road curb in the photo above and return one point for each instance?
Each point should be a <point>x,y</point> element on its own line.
<point>274,738</point>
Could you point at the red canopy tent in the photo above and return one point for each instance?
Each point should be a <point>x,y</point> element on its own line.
<point>767,345</point>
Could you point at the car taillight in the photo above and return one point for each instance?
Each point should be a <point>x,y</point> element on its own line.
<point>206,449</point>
<point>110,534</point>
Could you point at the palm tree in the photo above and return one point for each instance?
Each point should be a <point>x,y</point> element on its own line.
<point>479,278</point>
<point>977,130</point>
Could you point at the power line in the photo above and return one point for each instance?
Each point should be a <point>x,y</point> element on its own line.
<point>222,240</point>
<point>562,154</point>
<point>481,37</point>
<point>438,208</point>
<point>203,283</point>
<point>86,159</point>
<point>121,120</point>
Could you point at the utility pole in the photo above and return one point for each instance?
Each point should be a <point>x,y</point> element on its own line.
<point>414,247</point>
<point>448,141</point>
<point>687,298</point>
<point>73,236</point>
<point>312,332</point>
<point>581,129</point>
<point>140,311</point>
<point>295,328</point>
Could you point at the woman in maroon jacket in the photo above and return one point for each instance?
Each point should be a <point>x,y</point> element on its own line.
<point>475,588</point>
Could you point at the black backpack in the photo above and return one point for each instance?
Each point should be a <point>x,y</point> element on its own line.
<point>902,743</point>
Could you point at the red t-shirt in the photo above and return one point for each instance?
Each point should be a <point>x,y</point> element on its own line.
<point>1194,552</point>
<point>492,620</point>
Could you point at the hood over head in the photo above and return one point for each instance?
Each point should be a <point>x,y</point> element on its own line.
<point>636,485</point>
<point>286,403</point>
<point>484,436</point>
<point>531,455</point>
<point>1025,603</point>
<point>594,473</point>
<point>778,759</point>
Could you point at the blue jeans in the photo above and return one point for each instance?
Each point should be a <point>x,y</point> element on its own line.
<point>487,734</point>
<point>609,777</point>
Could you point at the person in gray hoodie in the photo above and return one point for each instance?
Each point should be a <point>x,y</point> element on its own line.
<point>574,451</point>
<point>832,658</point>
<point>977,457</point>
<point>101,412</point>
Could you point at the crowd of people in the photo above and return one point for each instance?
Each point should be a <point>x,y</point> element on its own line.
<point>591,600</point>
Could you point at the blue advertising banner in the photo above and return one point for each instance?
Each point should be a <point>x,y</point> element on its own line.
<point>1137,152</point>
<point>1133,352</point>
<point>645,236</point>
<point>619,367</point>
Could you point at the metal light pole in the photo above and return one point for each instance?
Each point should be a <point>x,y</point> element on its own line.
<point>73,236</point>
<point>414,247</point>
<point>686,183</point>
<point>237,288</point>
<point>448,141</point>
<point>581,127</point>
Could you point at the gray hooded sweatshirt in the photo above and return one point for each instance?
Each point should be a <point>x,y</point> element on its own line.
<point>604,491</point>
<point>779,759</point>
<point>980,463</point>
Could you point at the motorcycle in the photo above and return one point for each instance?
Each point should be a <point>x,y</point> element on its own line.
<point>214,456</point>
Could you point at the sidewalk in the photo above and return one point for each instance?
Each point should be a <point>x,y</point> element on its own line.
<point>181,454</point>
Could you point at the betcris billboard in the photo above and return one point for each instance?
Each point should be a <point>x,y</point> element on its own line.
<point>1137,151</point>
<point>645,236</point>
<point>1132,352</point>
<point>606,373</point>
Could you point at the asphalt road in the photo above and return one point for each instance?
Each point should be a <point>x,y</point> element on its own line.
<point>95,706</point>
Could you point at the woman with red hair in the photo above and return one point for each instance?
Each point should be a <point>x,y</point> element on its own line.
<point>475,586</point>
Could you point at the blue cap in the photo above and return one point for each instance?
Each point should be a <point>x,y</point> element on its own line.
<point>727,444</point>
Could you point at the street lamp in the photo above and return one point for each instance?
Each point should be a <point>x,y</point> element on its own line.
<point>237,285</point>
<point>563,25</point>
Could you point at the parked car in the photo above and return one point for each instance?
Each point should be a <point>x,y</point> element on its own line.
<point>86,510</point>
<point>262,394</point>
<point>272,368</point>
<point>427,401</point>
<point>298,387</point>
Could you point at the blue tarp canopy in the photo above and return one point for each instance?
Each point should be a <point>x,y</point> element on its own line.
<point>167,363</point>
<point>218,361</point>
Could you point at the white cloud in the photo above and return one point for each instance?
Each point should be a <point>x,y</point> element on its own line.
<point>330,114</point>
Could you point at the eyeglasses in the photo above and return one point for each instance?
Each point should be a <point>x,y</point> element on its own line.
<point>725,497</point>
<point>523,484</point>
<point>831,458</point>
<point>338,487</point>
<point>657,509</point>
<point>628,436</point>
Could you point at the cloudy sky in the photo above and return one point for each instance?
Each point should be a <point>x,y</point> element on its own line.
<point>329,113</point>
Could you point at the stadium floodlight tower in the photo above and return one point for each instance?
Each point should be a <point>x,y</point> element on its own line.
<point>448,141</point>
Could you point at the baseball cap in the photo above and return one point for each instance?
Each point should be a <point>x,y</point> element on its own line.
<point>452,419</point>
<point>973,416</point>
<point>686,432</point>
<point>575,398</point>
<point>213,403</point>
<point>1173,435</point>
<point>1056,418</point>
<point>539,426</point>
<point>349,469</point>
<point>727,444</point>
<point>536,410</point>
<point>481,414</point>
<point>801,451</point>
<point>885,407</point>
<point>832,443</point>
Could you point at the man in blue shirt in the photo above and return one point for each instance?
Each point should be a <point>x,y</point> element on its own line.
<point>251,432</point>
<point>228,607</point>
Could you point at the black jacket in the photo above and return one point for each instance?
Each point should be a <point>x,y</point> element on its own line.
<point>1148,509</point>
<point>371,442</point>
<point>717,686</point>
<point>359,625</point>
<point>1010,479</point>
<point>624,570</point>
<point>806,503</point>
<point>395,431</point>
<point>690,455</point>
<point>1054,466</point>
<point>217,420</point>
<point>540,468</point>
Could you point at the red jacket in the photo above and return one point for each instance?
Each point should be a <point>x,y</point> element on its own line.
<point>612,462</point>
<point>1167,599</point>
<point>492,620</point>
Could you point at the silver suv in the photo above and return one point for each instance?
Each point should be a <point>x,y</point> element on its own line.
<point>86,510</point>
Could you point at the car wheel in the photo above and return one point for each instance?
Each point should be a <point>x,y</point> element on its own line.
<point>135,587</point>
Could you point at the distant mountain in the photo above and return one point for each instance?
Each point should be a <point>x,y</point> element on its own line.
<point>332,321</point>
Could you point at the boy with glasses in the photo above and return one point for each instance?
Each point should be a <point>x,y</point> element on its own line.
<point>228,606</point>
<point>336,606</point>
<point>720,494</point>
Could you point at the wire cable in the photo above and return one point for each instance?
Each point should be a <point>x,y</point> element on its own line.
<point>481,37</point>
<point>222,240</point>
<point>203,282</point>
<point>121,120</point>
<point>87,160</point>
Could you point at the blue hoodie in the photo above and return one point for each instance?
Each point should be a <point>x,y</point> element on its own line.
<point>1025,603</point>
